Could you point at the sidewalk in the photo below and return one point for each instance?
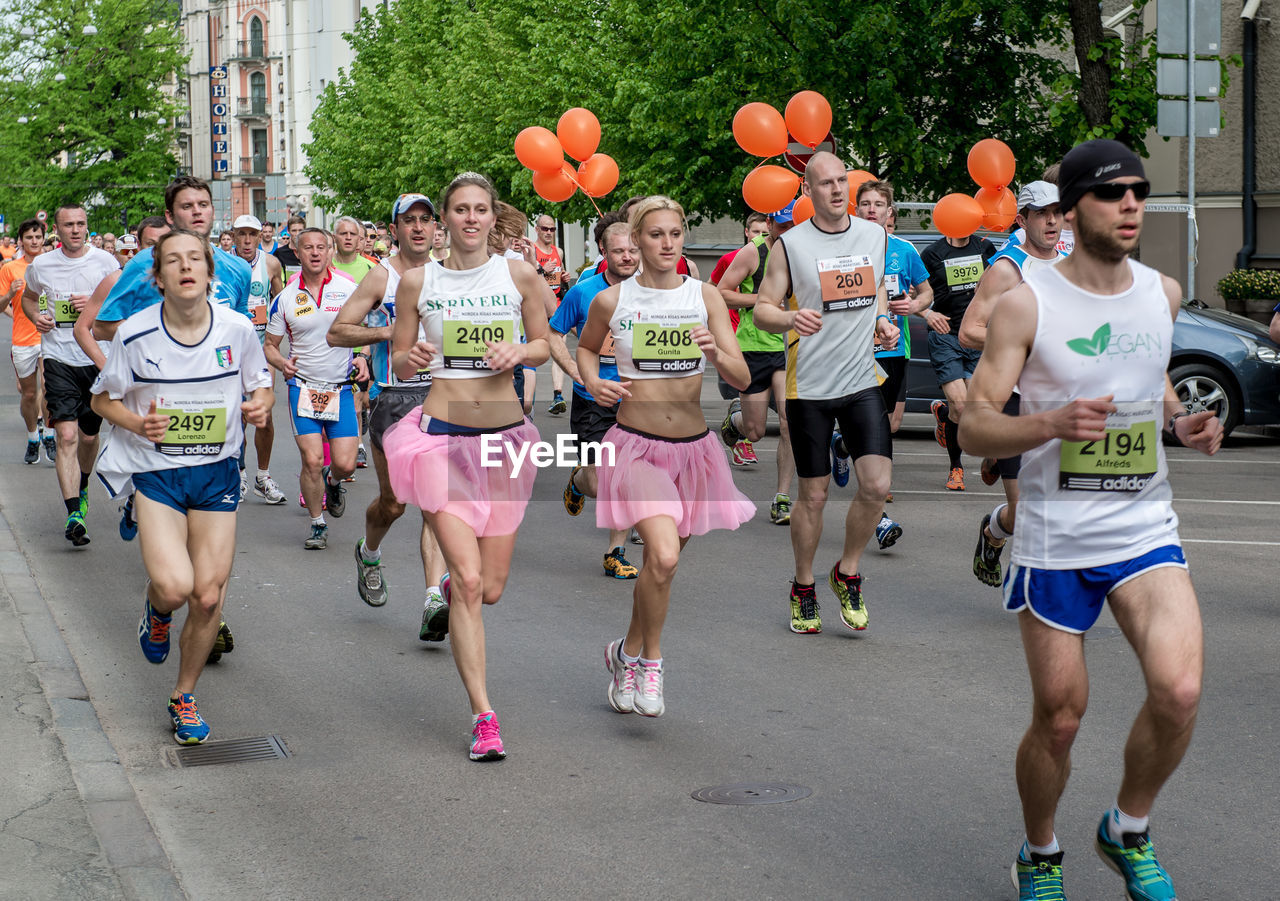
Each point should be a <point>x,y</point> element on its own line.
<point>70,823</point>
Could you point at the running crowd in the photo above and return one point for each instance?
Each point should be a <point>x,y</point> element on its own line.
<point>173,342</point>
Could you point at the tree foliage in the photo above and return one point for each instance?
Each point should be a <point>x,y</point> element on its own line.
<point>913,84</point>
<point>94,136</point>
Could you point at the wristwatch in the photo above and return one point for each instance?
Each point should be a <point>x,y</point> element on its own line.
<point>1172,420</point>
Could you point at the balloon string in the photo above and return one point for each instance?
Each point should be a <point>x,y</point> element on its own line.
<point>574,178</point>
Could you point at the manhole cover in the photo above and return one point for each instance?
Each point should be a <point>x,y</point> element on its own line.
<point>235,750</point>
<point>752,793</point>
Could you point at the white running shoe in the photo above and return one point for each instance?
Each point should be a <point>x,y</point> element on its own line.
<point>267,489</point>
<point>649,700</point>
<point>622,685</point>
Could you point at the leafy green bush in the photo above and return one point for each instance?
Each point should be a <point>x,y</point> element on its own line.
<point>1246,284</point>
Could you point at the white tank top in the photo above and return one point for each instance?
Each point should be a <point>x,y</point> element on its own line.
<point>259,294</point>
<point>460,310</point>
<point>1086,504</point>
<point>652,330</point>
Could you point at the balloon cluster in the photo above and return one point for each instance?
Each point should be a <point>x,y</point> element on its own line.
<point>554,178</point>
<point>994,207</point>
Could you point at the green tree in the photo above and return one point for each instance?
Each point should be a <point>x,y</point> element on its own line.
<point>95,134</point>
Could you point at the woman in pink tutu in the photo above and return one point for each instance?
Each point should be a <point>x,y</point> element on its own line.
<point>668,475</point>
<point>454,457</point>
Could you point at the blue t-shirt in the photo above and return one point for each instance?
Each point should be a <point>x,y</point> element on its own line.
<point>136,290</point>
<point>572,315</point>
<point>903,260</point>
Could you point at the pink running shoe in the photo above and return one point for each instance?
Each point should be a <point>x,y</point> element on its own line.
<point>486,742</point>
<point>744,453</point>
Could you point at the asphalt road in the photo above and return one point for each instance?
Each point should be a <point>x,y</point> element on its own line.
<point>905,734</point>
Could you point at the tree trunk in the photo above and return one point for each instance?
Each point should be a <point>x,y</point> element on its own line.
<point>1095,78</point>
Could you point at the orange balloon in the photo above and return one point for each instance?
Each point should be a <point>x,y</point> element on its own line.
<point>598,175</point>
<point>958,215</point>
<point>803,209</point>
<point>809,118</point>
<point>991,163</point>
<point>538,149</point>
<point>556,186</point>
<point>579,133</point>
<point>769,188</point>
<point>856,177</point>
<point>760,130</point>
<point>1000,208</point>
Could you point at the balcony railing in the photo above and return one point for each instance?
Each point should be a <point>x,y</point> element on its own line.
<point>253,165</point>
<point>252,108</point>
<point>250,51</point>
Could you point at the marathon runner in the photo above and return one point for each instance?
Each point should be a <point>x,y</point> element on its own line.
<point>453,457</point>
<point>766,359</point>
<point>589,420</point>
<point>348,236</point>
<point>550,265</point>
<point>58,285</point>
<point>1096,522</point>
<point>24,349</point>
<point>319,378</point>
<point>1038,219</point>
<point>829,275</point>
<point>366,320</point>
<point>663,472</point>
<point>176,373</point>
<point>757,224</point>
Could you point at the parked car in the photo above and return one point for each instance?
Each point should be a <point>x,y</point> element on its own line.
<point>1220,362</point>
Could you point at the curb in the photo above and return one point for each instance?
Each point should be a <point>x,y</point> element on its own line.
<point>115,814</point>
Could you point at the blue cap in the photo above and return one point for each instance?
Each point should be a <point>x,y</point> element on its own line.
<point>404,201</point>
<point>783,216</point>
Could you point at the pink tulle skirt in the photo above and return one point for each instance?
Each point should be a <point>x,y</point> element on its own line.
<point>651,476</point>
<point>450,474</point>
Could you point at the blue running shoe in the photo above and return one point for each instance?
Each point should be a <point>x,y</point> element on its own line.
<point>839,460</point>
<point>887,532</point>
<point>1135,860</point>
<point>84,502</point>
<point>1038,877</point>
<point>189,728</point>
<point>128,525</point>
<point>153,634</point>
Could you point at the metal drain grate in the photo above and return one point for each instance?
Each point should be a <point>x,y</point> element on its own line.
<point>752,793</point>
<point>235,750</point>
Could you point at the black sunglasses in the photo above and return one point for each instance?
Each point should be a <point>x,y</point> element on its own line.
<point>1115,190</point>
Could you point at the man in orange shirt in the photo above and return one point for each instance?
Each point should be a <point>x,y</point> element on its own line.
<point>26,342</point>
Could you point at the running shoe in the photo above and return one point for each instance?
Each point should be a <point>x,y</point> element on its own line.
<point>622,681</point>
<point>266,488</point>
<point>616,565</point>
<point>244,483</point>
<point>986,558</point>
<point>50,449</point>
<point>445,592</point>
<point>804,609</point>
<point>318,540</point>
<point>728,433</point>
<point>324,501</point>
<point>1038,877</point>
<point>839,460</point>
<point>558,406</point>
<point>648,699</point>
<point>189,728</point>
<point>988,471</point>
<point>940,431</point>
<point>373,591</point>
<point>744,454</point>
<point>853,612</point>
<point>574,500</point>
<point>76,532</point>
<point>486,739</point>
<point>153,633</point>
<point>33,453</point>
<point>636,538</point>
<point>1135,860</point>
<point>335,496</point>
<point>888,498</point>
<point>362,458</point>
<point>955,481</point>
<point>780,510</point>
<point>223,643</point>
<point>84,502</point>
<point>128,525</point>
<point>435,619</point>
<point>887,532</point>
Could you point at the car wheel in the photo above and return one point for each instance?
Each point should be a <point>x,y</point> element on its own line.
<point>1203,387</point>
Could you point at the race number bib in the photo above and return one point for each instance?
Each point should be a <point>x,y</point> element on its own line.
<point>664,343</point>
<point>846,283</point>
<point>893,285</point>
<point>1125,460</point>
<point>318,400</point>
<point>258,312</point>
<point>64,312</point>
<point>608,356</point>
<point>964,272</point>
<point>465,335</point>
<point>197,425</point>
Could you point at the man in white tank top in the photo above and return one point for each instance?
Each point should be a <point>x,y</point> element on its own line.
<point>1087,343</point>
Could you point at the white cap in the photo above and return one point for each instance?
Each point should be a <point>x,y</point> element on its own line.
<point>247,222</point>
<point>1037,195</point>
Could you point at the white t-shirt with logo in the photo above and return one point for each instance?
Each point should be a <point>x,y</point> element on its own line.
<point>57,277</point>
<point>305,319</point>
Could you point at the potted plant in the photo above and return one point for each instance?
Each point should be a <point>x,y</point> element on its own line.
<point>1251,292</point>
